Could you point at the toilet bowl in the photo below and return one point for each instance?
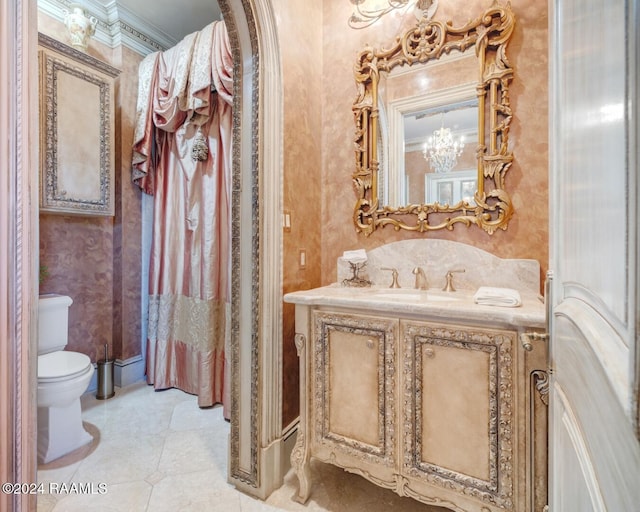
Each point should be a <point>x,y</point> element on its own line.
<point>63,376</point>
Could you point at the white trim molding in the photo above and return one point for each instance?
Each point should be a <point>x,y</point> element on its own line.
<point>259,450</point>
<point>270,355</point>
<point>128,371</point>
<point>117,25</point>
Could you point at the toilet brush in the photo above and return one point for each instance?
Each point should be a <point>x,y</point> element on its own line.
<point>105,376</point>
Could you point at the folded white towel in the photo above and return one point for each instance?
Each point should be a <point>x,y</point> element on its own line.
<point>357,256</point>
<point>489,296</point>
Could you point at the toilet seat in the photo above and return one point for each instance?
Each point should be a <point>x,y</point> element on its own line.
<point>62,365</point>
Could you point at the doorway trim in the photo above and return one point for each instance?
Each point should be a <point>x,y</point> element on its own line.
<point>257,452</point>
<point>18,236</point>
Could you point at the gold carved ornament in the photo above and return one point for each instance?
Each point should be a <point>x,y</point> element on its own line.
<point>427,41</point>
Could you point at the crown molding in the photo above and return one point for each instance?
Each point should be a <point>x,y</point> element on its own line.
<point>117,25</point>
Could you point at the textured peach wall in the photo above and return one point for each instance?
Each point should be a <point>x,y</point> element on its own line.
<point>128,225</point>
<point>527,234</point>
<point>300,38</point>
<point>78,254</point>
<point>96,260</point>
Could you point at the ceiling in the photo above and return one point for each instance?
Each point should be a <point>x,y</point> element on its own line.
<point>175,19</point>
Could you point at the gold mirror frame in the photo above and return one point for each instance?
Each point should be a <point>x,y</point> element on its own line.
<point>427,41</point>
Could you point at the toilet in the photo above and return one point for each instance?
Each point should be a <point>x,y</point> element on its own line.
<point>62,378</point>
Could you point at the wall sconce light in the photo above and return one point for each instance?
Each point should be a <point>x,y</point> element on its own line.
<point>367,12</point>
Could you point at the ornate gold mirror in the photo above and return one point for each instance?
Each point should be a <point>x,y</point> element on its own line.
<point>431,81</point>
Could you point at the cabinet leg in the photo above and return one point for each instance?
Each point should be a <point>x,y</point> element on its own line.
<point>300,462</point>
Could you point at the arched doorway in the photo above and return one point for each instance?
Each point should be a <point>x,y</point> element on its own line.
<point>256,446</point>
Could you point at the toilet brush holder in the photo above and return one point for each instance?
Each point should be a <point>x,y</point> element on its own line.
<point>105,377</point>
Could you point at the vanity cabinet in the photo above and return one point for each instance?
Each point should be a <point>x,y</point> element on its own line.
<point>458,418</point>
<point>448,413</point>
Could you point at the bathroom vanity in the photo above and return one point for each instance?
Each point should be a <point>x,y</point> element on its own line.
<point>417,389</point>
<point>423,391</point>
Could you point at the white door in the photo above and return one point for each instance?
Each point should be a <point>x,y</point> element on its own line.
<point>593,448</point>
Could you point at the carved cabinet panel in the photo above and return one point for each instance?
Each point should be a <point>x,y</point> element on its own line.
<point>354,360</point>
<point>459,417</point>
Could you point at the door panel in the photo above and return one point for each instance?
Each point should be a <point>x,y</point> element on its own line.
<point>459,396</point>
<point>354,380</point>
<point>456,393</point>
<point>577,472</point>
<point>594,453</point>
<point>354,386</point>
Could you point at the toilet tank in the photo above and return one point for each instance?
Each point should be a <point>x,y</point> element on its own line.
<point>53,322</point>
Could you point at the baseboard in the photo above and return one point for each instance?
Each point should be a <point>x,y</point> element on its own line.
<point>128,371</point>
<point>276,463</point>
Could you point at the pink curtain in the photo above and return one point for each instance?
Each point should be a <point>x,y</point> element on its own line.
<point>182,155</point>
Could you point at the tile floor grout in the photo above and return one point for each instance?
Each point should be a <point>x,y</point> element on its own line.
<point>159,452</point>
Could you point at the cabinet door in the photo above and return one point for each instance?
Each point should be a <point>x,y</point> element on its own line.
<point>458,421</point>
<point>354,374</point>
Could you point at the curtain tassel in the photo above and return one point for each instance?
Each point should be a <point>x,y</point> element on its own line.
<point>199,150</point>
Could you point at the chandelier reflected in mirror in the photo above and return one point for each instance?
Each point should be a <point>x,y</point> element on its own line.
<point>442,150</point>
<point>367,12</point>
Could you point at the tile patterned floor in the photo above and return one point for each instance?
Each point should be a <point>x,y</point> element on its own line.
<point>159,452</point>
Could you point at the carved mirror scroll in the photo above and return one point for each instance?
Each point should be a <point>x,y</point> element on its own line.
<point>489,205</point>
<point>77,108</point>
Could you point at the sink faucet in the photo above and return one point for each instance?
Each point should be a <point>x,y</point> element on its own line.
<point>421,279</point>
<point>394,276</point>
<point>449,277</point>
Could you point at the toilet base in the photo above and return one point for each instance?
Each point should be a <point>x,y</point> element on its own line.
<point>60,431</point>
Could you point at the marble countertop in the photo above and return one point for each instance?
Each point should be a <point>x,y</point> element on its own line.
<point>432,304</point>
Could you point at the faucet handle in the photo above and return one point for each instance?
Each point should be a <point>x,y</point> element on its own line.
<point>448,287</point>
<point>421,278</point>
<point>394,276</point>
